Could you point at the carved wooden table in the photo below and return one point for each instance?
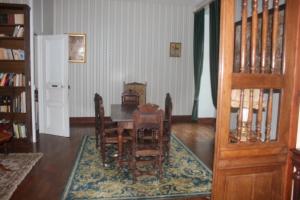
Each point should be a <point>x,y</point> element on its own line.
<point>122,114</point>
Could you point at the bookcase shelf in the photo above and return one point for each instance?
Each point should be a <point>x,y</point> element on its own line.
<point>11,25</point>
<point>11,38</point>
<point>15,17</point>
<point>16,66</point>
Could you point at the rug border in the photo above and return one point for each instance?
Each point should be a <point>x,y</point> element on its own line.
<point>75,166</point>
<point>79,155</point>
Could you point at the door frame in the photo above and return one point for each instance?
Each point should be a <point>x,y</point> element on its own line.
<point>293,56</point>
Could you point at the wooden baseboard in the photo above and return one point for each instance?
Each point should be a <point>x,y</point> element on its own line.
<point>90,121</point>
<point>188,119</point>
<point>84,121</point>
<point>207,121</point>
<point>75,121</point>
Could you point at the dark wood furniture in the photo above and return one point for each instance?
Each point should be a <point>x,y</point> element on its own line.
<point>167,124</point>
<point>106,134</point>
<point>296,174</point>
<point>5,137</point>
<point>140,88</point>
<point>123,116</point>
<point>147,119</point>
<point>15,84</point>
<point>130,97</point>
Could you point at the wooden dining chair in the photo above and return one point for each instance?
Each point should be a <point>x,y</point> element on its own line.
<point>167,124</point>
<point>130,97</point>
<point>106,133</point>
<point>140,88</point>
<point>148,118</point>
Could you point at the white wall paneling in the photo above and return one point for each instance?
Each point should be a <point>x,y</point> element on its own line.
<point>128,40</point>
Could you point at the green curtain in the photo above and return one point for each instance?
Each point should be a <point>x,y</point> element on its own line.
<point>214,32</point>
<point>198,57</point>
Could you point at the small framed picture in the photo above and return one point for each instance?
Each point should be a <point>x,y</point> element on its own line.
<point>175,49</point>
<point>77,47</point>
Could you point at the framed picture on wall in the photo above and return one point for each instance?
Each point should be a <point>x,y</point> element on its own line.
<point>175,49</point>
<point>77,47</point>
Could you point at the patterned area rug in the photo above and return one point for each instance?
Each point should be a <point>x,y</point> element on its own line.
<point>184,176</point>
<point>20,165</point>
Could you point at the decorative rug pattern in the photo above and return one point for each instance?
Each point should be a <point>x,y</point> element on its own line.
<point>184,176</point>
<point>20,165</point>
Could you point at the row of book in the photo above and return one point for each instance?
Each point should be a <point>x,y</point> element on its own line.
<point>18,31</point>
<point>12,54</point>
<point>19,130</point>
<point>12,79</point>
<point>16,104</point>
<point>5,103</point>
<point>11,18</point>
<point>19,103</point>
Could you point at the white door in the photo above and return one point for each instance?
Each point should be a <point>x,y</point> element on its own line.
<point>52,54</point>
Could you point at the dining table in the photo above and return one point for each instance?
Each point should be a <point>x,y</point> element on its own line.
<point>122,114</point>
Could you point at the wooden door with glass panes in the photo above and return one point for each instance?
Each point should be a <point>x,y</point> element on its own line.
<point>258,46</point>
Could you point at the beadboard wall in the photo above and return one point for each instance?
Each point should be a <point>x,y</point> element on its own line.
<point>128,40</point>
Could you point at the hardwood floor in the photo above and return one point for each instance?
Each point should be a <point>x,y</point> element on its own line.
<point>49,176</point>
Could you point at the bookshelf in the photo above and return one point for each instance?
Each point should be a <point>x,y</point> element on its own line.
<point>15,89</point>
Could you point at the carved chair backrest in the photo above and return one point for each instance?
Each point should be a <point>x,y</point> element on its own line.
<point>148,117</point>
<point>130,97</point>
<point>99,113</point>
<point>140,88</point>
<point>168,107</point>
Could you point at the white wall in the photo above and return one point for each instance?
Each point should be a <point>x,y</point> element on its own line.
<point>128,40</point>
<point>205,106</point>
<point>43,20</point>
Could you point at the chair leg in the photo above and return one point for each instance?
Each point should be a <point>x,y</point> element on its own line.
<point>97,139</point>
<point>103,154</point>
<point>168,151</point>
<point>160,167</point>
<point>134,170</point>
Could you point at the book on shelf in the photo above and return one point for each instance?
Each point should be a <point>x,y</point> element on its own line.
<point>12,79</point>
<point>3,18</point>
<point>12,54</point>
<point>19,103</point>
<point>5,104</point>
<point>2,53</point>
<point>18,54</point>
<point>16,18</point>
<point>19,130</point>
<point>18,31</point>
<point>19,18</point>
